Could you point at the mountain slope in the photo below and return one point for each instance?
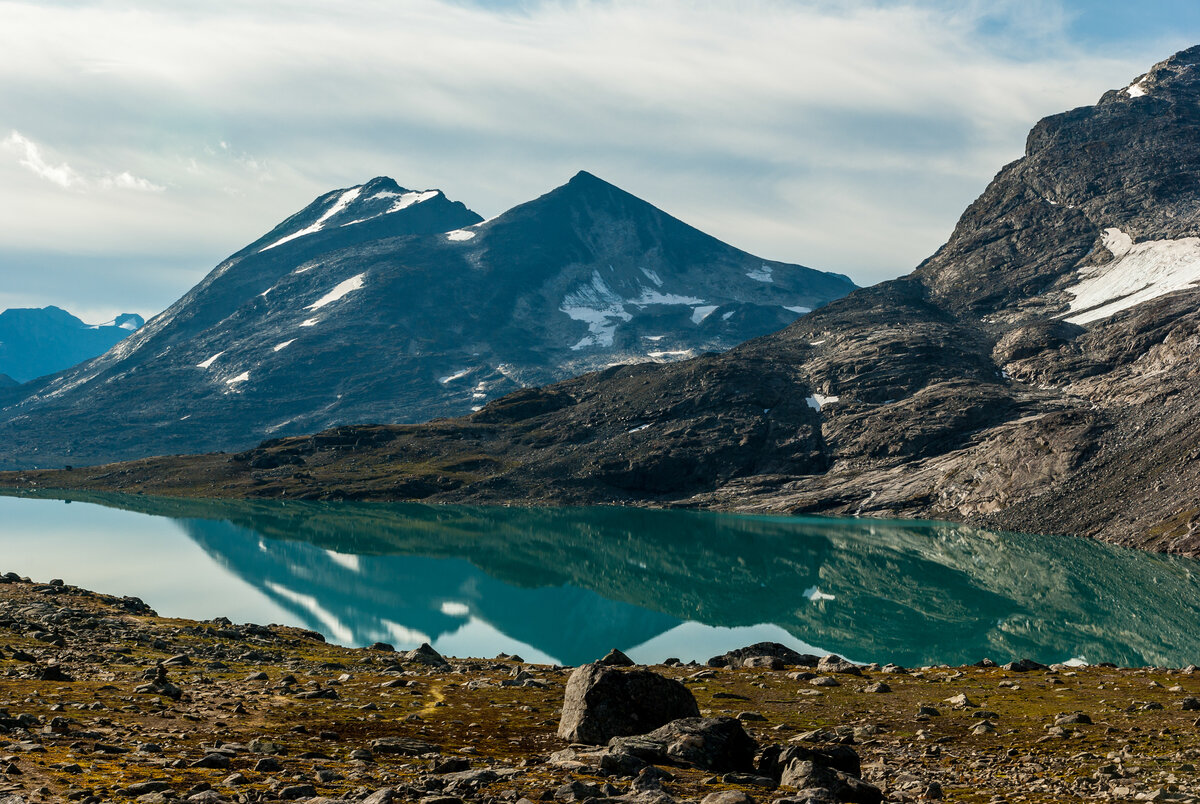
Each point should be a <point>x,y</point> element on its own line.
<point>37,342</point>
<point>381,304</point>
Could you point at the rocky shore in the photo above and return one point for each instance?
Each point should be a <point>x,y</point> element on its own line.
<point>101,700</point>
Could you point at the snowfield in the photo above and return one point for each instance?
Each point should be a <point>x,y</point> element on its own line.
<point>1137,273</point>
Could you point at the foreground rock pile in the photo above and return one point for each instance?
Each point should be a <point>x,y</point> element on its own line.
<point>103,701</point>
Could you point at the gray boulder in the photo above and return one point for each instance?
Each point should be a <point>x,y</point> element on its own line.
<point>822,783</point>
<point>710,743</point>
<point>820,775</point>
<point>603,702</point>
<point>426,655</point>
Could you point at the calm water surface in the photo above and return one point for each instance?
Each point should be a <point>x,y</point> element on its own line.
<point>566,585</point>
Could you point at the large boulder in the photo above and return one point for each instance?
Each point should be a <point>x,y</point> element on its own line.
<point>604,702</point>
<point>717,744</point>
<point>760,654</point>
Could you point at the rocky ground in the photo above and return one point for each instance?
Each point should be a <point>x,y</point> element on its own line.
<point>102,700</point>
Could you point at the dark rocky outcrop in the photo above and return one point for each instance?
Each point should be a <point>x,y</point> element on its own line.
<point>773,652</point>
<point>603,702</point>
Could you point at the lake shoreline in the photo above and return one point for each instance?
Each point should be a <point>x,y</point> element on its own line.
<point>103,699</point>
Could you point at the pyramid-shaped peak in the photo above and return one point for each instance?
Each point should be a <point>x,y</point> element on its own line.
<point>583,177</point>
<point>590,182</point>
<point>585,185</point>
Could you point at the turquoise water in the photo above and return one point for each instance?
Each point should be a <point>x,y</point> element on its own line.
<point>566,585</point>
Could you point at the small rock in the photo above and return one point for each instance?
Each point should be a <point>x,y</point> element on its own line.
<point>615,658</point>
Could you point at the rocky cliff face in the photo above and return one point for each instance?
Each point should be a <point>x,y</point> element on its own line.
<point>1039,372</point>
<point>381,304</point>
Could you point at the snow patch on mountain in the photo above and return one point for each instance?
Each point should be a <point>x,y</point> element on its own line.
<point>343,288</point>
<point>343,201</point>
<point>600,307</point>
<point>798,310</point>
<point>649,297</point>
<point>405,200</point>
<point>460,234</point>
<point>1136,90</point>
<point>207,363</point>
<point>818,401</point>
<point>701,313</point>
<point>763,274</point>
<point>452,377</point>
<point>280,346</point>
<point>1137,273</point>
<point>814,594</point>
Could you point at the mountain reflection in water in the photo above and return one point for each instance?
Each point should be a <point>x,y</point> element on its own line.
<point>568,584</point>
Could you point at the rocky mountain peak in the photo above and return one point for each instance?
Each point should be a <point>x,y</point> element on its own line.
<point>1178,74</point>
<point>583,191</point>
<point>375,200</point>
<point>127,321</point>
<point>1130,163</point>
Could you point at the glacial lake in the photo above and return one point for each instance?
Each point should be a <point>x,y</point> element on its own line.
<point>566,585</point>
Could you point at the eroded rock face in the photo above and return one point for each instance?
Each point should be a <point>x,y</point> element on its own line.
<point>603,702</point>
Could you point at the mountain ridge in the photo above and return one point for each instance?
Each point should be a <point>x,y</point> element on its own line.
<point>376,303</point>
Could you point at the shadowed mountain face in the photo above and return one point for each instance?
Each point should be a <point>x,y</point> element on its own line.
<point>381,304</point>
<point>1039,372</point>
<point>574,583</point>
<point>37,342</point>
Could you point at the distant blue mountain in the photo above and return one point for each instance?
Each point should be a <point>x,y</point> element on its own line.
<point>36,342</point>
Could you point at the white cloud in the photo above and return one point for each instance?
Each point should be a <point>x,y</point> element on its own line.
<point>127,181</point>
<point>29,156</point>
<point>846,136</point>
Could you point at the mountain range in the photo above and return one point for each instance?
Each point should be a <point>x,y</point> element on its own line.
<point>381,304</point>
<point>1037,373</point>
<point>37,342</point>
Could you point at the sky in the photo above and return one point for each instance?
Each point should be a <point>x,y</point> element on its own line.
<point>142,142</point>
